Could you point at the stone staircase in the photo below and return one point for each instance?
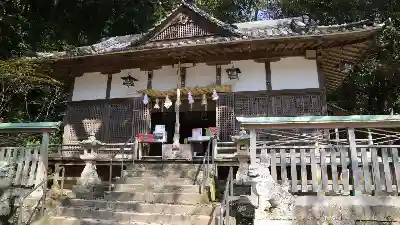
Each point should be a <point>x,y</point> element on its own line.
<point>150,193</point>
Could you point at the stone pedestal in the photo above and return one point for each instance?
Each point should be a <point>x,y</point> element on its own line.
<point>89,185</point>
<point>241,174</point>
<point>184,152</point>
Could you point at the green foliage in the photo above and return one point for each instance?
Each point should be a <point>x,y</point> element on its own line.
<point>373,86</point>
<point>374,83</point>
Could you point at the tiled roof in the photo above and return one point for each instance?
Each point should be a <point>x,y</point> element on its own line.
<point>269,29</point>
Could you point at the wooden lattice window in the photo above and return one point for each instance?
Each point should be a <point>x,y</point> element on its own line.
<point>296,105</point>
<point>83,118</point>
<point>225,116</point>
<point>182,27</point>
<point>120,123</point>
<point>250,105</point>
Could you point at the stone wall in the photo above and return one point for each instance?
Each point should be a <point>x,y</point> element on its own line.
<point>345,210</point>
<point>360,210</point>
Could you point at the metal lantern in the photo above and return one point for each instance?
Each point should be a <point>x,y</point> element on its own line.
<point>129,81</point>
<point>345,67</point>
<point>233,73</point>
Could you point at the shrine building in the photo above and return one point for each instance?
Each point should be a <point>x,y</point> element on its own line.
<point>126,87</point>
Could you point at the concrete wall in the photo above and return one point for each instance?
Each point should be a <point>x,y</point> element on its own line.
<point>288,73</point>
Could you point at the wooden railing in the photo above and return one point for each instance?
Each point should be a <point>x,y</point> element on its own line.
<point>336,158</point>
<point>109,151</point>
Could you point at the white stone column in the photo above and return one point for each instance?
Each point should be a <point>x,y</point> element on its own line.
<point>253,146</point>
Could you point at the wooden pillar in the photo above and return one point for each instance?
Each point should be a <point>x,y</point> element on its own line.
<point>218,74</point>
<point>106,113</point>
<point>268,75</point>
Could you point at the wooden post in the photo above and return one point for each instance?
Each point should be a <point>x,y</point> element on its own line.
<point>253,146</point>
<point>176,144</point>
<point>354,161</point>
<point>41,173</point>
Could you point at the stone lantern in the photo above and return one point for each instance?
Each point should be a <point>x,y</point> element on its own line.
<point>89,184</point>
<point>242,142</point>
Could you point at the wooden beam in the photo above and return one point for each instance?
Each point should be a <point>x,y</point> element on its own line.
<point>321,75</point>
<point>263,60</point>
<point>150,67</point>
<point>149,79</point>
<point>218,63</point>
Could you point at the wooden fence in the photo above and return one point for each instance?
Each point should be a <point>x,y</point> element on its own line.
<point>330,169</point>
<point>26,163</point>
<point>334,156</point>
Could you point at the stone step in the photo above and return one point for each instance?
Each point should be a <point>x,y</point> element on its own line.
<point>156,180</point>
<point>143,207</point>
<point>137,217</point>
<point>163,173</point>
<point>168,188</point>
<point>62,220</point>
<point>167,198</point>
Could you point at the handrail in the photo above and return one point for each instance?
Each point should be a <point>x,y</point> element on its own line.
<point>122,151</point>
<point>43,198</point>
<point>206,171</point>
<point>225,203</point>
<point>123,154</point>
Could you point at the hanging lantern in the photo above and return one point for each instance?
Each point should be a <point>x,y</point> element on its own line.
<point>345,67</point>
<point>129,81</point>
<point>145,99</point>
<point>167,102</point>
<point>215,96</point>
<point>157,105</point>
<point>233,73</point>
<point>190,100</point>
